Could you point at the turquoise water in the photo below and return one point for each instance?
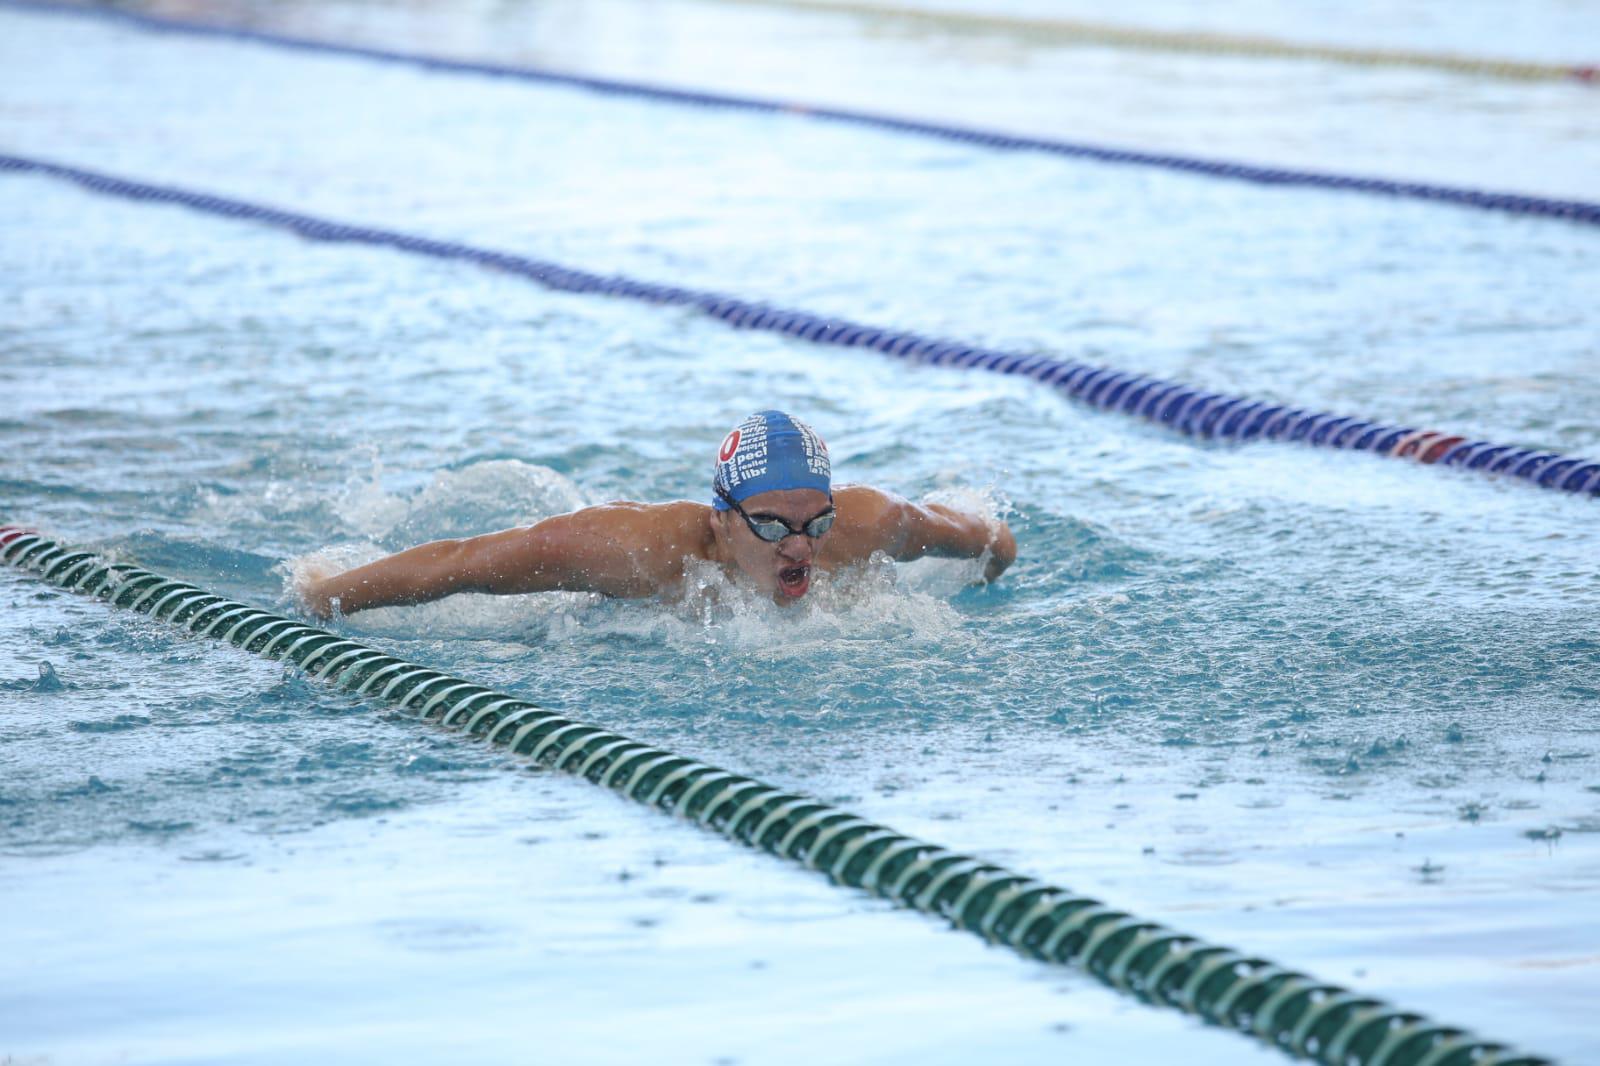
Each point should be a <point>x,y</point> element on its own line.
<point>1337,711</point>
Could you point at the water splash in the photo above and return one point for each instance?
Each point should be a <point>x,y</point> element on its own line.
<point>476,498</point>
<point>864,604</point>
<point>878,601</point>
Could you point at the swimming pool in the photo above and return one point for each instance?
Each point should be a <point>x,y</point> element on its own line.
<point>1308,704</point>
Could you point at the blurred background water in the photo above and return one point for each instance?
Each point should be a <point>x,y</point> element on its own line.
<point>1337,711</point>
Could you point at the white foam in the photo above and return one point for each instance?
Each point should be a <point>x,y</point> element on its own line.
<point>865,603</point>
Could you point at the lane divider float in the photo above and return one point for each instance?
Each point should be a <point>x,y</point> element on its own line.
<point>1121,35</point>
<point>1580,211</point>
<point>1191,411</point>
<point>1283,1008</point>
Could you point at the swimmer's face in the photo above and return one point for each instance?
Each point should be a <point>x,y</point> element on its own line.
<point>781,569</point>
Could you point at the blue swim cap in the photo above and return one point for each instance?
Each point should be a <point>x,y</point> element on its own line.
<point>767,451</point>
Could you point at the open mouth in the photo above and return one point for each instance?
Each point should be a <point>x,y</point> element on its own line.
<point>794,580</point>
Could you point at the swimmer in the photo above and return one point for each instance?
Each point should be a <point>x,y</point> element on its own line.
<point>774,518</point>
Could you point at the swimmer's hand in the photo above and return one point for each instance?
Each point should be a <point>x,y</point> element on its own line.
<point>912,530</point>
<point>1002,552</point>
<point>316,599</point>
<point>312,587</point>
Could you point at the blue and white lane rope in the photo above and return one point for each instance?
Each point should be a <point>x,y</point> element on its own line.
<point>1581,211</point>
<point>1193,412</point>
<point>1282,1008</point>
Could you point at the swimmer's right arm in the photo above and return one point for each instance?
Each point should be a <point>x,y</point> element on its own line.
<point>599,549</point>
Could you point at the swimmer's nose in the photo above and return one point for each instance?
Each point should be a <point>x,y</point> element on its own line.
<point>797,549</point>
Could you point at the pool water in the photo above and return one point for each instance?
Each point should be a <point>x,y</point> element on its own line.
<point>1334,711</point>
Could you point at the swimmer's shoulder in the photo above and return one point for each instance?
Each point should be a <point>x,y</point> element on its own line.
<point>870,519</point>
<point>867,507</point>
<point>675,529</point>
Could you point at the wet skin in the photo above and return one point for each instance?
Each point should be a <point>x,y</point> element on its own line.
<point>634,550</point>
<point>779,569</point>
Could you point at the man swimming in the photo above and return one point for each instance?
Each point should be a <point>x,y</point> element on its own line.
<point>773,519</point>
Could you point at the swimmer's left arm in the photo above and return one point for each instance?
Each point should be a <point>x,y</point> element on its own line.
<point>939,530</point>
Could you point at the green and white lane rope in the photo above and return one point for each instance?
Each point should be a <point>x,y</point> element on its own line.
<point>1288,1010</point>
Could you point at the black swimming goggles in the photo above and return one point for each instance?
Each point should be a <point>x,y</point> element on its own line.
<point>774,529</point>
